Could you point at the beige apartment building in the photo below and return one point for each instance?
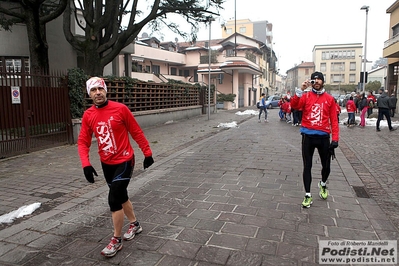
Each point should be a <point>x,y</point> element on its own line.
<point>340,63</point>
<point>263,32</point>
<point>391,49</point>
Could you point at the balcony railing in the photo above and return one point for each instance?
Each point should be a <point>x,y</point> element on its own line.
<point>391,41</point>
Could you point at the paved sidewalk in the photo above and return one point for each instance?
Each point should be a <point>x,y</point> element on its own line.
<point>213,197</point>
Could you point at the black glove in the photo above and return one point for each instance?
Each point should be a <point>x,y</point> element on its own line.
<point>89,171</point>
<point>148,161</point>
<point>333,146</point>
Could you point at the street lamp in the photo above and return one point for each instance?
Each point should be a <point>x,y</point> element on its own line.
<point>365,48</point>
<point>210,19</point>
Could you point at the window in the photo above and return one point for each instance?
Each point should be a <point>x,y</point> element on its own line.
<point>229,30</point>
<point>230,52</point>
<point>173,71</point>
<point>13,65</point>
<point>337,66</point>
<point>352,78</point>
<point>243,29</point>
<point>147,69</point>
<point>395,30</point>
<point>220,78</point>
<point>186,72</point>
<point>156,69</point>
<point>352,66</point>
<point>323,67</point>
<point>336,78</point>
<point>307,71</point>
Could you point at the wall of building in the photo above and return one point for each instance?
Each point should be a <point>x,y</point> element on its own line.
<point>346,71</point>
<point>62,56</point>
<point>14,43</point>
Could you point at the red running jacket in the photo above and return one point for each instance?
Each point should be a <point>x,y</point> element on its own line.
<point>318,112</point>
<point>111,126</point>
<point>350,106</point>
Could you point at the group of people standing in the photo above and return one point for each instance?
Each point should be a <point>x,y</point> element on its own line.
<point>364,104</point>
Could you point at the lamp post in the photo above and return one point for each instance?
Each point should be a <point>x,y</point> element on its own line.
<point>235,28</point>
<point>340,78</point>
<point>210,19</point>
<point>365,48</point>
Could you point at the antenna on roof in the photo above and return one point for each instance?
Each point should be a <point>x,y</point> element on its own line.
<point>144,35</point>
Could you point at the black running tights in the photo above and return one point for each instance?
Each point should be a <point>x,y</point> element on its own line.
<point>309,144</point>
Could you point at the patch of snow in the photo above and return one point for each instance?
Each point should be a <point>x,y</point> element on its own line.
<point>228,125</point>
<point>247,112</point>
<point>21,212</point>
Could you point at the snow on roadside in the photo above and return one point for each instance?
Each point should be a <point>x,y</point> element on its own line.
<point>21,212</point>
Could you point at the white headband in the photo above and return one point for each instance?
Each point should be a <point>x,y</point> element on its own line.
<point>95,82</point>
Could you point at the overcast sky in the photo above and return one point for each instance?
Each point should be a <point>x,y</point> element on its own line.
<point>298,25</point>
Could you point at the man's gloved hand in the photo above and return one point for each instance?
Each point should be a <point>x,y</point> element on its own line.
<point>89,171</point>
<point>148,161</point>
<point>333,146</point>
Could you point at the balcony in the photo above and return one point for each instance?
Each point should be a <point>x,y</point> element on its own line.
<point>391,47</point>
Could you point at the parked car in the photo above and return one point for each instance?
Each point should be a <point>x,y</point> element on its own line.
<point>341,100</point>
<point>336,96</point>
<point>345,99</point>
<point>272,101</point>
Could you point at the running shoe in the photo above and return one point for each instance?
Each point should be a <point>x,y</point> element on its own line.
<point>307,201</point>
<point>113,247</point>
<point>323,191</point>
<point>133,230</point>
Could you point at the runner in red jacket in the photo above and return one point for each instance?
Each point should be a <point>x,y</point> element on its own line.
<point>111,123</point>
<point>319,120</point>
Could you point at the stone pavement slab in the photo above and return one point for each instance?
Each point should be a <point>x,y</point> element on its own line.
<point>224,197</point>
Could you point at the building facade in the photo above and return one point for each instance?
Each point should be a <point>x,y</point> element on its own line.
<point>263,32</point>
<point>391,49</point>
<point>340,63</point>
<point>378,74</point>
<point>298,74</point>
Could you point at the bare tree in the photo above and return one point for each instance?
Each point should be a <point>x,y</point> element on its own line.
<point>105,34</point>
<point>35,14</point>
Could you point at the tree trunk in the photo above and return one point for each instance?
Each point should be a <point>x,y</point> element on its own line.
<point>38,47</point>
<point>92,62</point>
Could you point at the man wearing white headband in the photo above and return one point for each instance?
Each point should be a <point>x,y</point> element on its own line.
<point>111,123</point>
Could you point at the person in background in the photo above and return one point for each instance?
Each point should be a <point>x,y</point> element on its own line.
<point>281,111</point>
<point>363,109</point>
<point>319,120</point>
<point>383,110</point>
<point>392,103</point>
<point>262,107</point>
<point>350,109</point>
<point>355,101</point>
<point>338,109</point>
<point>297,117</point>
<point>371,100</point>
<point>287,109</point>
<point>111,123</point>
